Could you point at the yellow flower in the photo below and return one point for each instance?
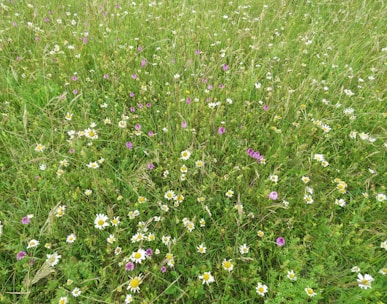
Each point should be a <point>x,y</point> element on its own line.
<point>134,283</point>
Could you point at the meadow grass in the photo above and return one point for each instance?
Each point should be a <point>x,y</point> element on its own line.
<point>193,151</point>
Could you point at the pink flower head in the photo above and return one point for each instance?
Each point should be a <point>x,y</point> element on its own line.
<point>280,241</point>
<point>184,124</point>
<point>266,107</point>
<point>273,195</point>
<point>225,67</point>
<point>143,63</point>
<point>221,130</point>
<point>129,266</point>
<point>25,220</point>
<point>129,145</point>
<point>137,127</point>
<point>21,255</point>
<point>163,269</point>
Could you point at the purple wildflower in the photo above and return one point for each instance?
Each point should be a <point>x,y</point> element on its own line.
<point>21,255</point>
<point>273,195</point>
<point>163,269</point>
<point>280,241</point>
<point>25,220</point>
<point>184,124</point>
<point>129,266</point>
<point>149,252</point>
<point>129,145</point>
<point>221,130</point>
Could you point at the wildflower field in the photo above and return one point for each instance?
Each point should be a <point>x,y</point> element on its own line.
<point>193,151</point>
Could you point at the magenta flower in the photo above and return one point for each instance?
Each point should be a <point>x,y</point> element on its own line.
<point>266,107</point>
<point>129,145</point>
<point>149,252</point>
<point>163,269</point>
<point>184,124</point>
<point>188,100</point>
<point>129,266</point>
<point>273,195</point>
<point>198,52</point>
<point>75,92</point>
<point>21,255</point>
<point>280,241</point>
<point>131,94</point>
<point>150,134</point>
<point>151,166</point>
<point>132,109</point>
<point>148,105</point>
<point>143,63</point>
<point>221,130</point>
<point>225,67</point>
<point>137,127</point>
<point>105,76</point>
<point>134,76</point>
<point>84,40</point>
<point>74,78</point>
<point>25,220</point>
<point>140,105</point>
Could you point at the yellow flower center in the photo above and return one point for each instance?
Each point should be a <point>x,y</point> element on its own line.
<point>134,283</point>
<point>101,222</point>
<point>309,291</point>
<point>227,264</point>
<point>137,255</point>
<point>261,289</point>
<point>206,277</point>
